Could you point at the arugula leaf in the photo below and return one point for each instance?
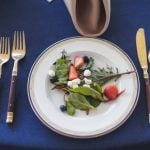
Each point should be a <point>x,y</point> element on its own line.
<point>61,70</point>
<point>70,109</point>
<point>79,101</point>
<point>86,91</point>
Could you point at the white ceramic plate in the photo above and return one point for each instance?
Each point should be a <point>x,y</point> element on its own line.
<point>108,116</point>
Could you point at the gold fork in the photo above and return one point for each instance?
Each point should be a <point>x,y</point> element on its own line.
<point>4,51</point>
<point>18,52</point>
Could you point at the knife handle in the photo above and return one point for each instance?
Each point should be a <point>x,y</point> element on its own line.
<point>148,95</point>
<point>11,100</point>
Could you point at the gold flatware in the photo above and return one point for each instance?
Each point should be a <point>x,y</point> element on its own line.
<point>142,56</point>
<point>149,56</point>
<point>4,51</point>
<point>18,52</point>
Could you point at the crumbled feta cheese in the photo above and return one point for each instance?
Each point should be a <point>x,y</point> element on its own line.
<point>76,81</point>
<point>86,85</point>
<point>87,73</point>
<point>51,73</point>
<point>69,83</point>
<point>75,86</point>
<point>87,81</point>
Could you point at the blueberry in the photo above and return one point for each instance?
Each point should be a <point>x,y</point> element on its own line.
<point>53,79</point>
<point>63,108</point>
<point>86,59</point>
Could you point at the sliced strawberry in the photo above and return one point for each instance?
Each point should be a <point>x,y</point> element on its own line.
<point>73,74</point>
<point>78,62</point>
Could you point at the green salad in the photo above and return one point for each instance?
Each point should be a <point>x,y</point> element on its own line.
<point>83,85</point>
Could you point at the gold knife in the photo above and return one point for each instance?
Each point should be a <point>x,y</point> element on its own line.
<point>142,56</point>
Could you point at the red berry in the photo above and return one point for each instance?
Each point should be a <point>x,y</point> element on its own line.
<point>112,93</point>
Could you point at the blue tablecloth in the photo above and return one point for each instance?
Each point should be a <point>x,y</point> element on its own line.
<point>45,24</point>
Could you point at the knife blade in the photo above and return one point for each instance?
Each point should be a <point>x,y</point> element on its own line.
<point>141,48</point>
<point>142,56</point>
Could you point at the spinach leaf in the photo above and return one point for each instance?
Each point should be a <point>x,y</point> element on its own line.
<point>86,91</point>
<point>98,88</point>
<point>92,101</point>
<point>79,101</point>
<point>61,70</point>
<point>70,109</point>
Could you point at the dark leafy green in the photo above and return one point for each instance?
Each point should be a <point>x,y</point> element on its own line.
<point>61,70</point>
<point>98,88</point>
<point>79,101</point>
<point>86,91</point>
<point>70,109</point>
<point>92,101</point>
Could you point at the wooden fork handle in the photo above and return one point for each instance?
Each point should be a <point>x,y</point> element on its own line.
<point>11,100</point>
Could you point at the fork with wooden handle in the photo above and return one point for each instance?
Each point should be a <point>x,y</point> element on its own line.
<point>18,52</point>
<point>4,51</point>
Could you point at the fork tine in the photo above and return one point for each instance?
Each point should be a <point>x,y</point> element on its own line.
<point>24,42</point>
<point>0,44</point>
<point>20,40</point>
<point>5,47</point>
<point>14,41</point>
<point>8,49</point>
<point>17,39</point>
